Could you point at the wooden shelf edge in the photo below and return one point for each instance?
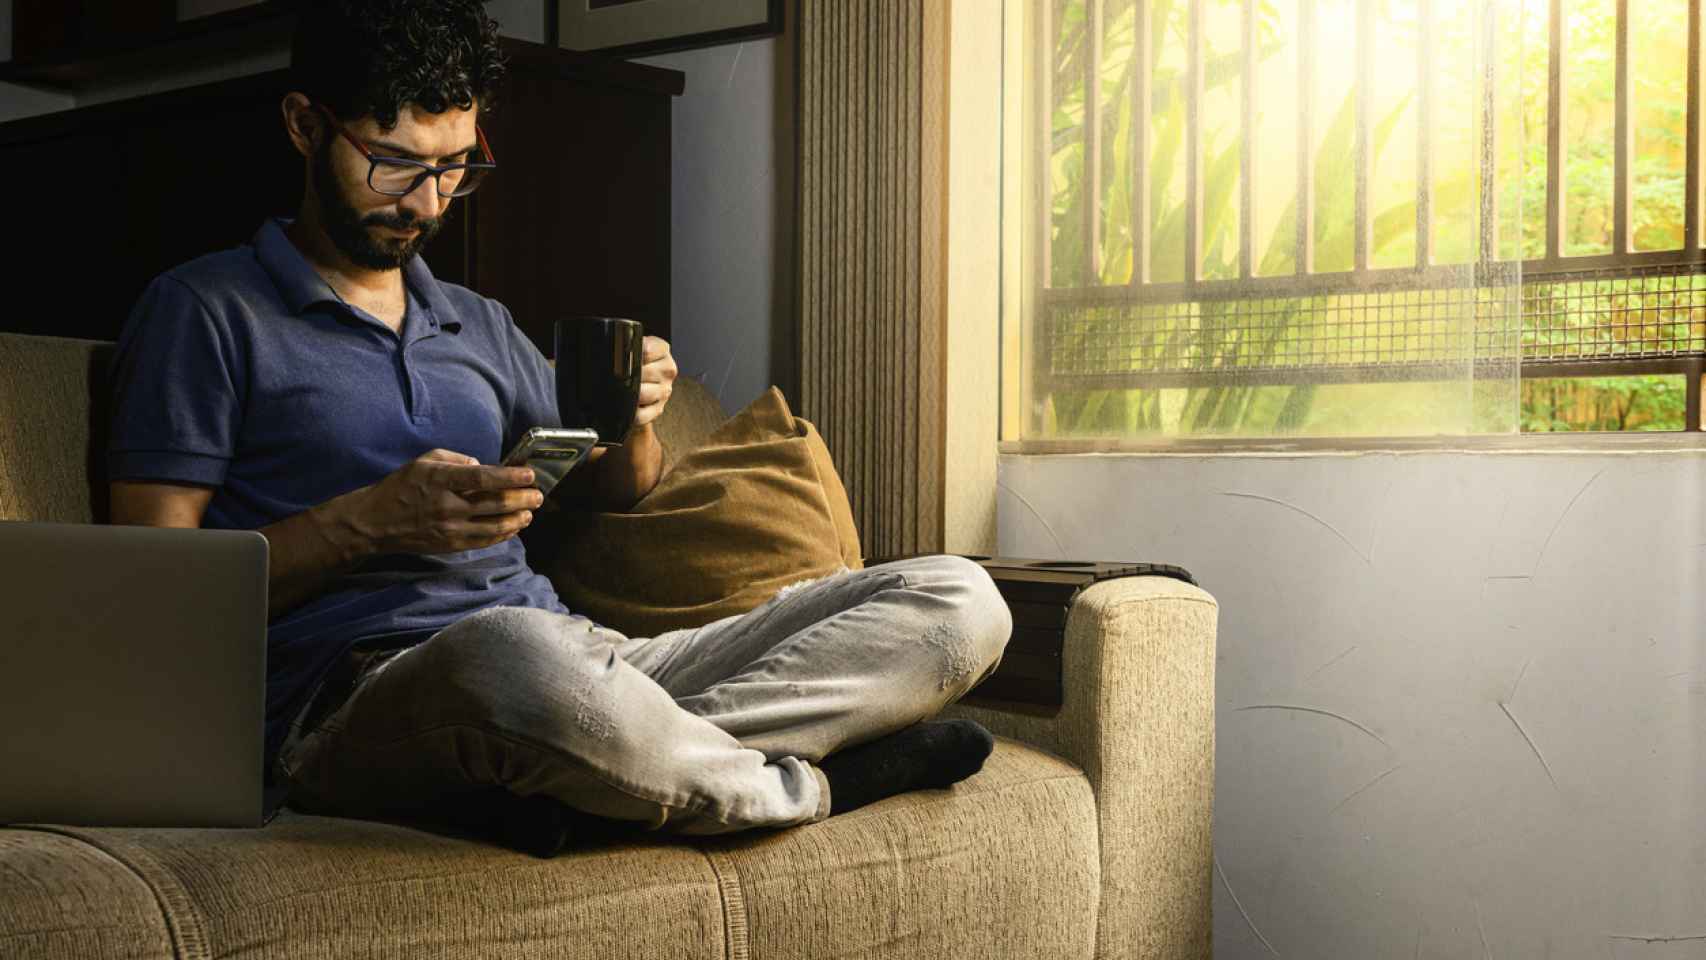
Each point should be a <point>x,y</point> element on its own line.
<point>597,67</point>
<point>268,25</point>
<point>242,30</point>
<point>60,122</point>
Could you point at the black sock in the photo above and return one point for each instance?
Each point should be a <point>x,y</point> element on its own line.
<point>538,825</point>
<point>528,824</point>
<point>929,755</point>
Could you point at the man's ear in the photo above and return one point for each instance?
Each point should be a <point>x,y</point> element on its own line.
<point>302,123</point>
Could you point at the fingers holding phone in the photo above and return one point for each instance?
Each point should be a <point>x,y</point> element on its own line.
<point>551,452</point>
<point>443,501</point>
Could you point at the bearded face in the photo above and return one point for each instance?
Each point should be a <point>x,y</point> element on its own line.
<point>377,239</point>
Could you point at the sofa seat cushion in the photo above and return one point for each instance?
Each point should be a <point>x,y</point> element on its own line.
<point>315,888</point>
<point>1004,864</point>
<point>62,899</point>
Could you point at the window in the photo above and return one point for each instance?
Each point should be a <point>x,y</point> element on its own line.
<point>1250,218</point>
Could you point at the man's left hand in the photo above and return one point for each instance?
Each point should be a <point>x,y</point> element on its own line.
<point>657,380</point>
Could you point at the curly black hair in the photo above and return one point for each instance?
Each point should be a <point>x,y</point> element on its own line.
<point>362,57</point>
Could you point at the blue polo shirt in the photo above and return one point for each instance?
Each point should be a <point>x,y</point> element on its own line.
<point>244,372</point>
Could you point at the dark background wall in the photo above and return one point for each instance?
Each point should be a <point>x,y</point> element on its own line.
<point>732,238</point>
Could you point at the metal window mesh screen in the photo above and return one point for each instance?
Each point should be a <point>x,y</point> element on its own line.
<point>1623,313</point>
<point>1381,336</point>
<point>1376,336</point>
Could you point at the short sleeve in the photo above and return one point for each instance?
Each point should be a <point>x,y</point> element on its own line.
<point>534,401</point>
<point>177,391</point>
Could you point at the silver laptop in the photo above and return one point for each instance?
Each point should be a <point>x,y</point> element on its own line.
<point>132,675</point>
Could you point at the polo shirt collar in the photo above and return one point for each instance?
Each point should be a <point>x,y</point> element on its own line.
<point>297,282</point>
<point>302,287</point>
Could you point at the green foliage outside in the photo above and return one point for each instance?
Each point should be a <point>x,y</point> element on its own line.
<point>1221,336</point>
<point>1603,403</point>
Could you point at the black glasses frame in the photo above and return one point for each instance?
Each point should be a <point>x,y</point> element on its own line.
<point>475,172</point>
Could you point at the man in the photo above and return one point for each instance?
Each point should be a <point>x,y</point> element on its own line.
<point>319,385</point>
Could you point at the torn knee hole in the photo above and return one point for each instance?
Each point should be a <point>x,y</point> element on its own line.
<point>956,659</point>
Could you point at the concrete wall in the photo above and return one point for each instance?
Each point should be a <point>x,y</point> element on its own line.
<point>732,251</point>
<point>973,345</point>
<point>1461,696</point>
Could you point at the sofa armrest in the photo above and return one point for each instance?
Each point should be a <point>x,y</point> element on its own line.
<point>1138,719</point>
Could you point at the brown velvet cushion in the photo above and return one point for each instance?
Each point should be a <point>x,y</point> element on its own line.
<point>756,507</point>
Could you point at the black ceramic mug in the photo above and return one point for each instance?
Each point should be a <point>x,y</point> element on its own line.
<point>598,374</point>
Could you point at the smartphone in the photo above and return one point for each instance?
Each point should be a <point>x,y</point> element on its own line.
<point>552,452</point>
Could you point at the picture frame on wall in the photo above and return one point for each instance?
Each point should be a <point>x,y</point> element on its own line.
<point>635,28</point>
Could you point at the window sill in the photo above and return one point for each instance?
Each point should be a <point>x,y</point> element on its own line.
<point>1527,443</point>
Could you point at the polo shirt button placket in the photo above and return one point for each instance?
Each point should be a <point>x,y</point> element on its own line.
<point>417,395</point>
<point>411,384</point>
<point>420,409</point>
<point>405,381</point>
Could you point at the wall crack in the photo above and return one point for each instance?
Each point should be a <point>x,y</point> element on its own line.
<point>1566,513</point>
<point>1530,741</point>
<point>1294,507</point>
<point>1359,791</point>
<point>1317,710</point>
<point>1241,911</point>
<point>1347,652</point>
<point>1035,513</point>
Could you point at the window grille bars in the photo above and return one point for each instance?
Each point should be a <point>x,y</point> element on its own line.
<point>1552,262</point>
<point>1064,308</point>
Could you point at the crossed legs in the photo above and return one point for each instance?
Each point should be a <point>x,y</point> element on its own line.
<point>708,730</point>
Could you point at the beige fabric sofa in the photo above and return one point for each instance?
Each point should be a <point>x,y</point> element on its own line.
<point>1086,834</point>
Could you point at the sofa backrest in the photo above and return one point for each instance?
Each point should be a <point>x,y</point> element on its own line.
<point>54,398</point>
<point>53,427</point>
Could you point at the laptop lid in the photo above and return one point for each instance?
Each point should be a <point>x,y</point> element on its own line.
<point>132,675</point>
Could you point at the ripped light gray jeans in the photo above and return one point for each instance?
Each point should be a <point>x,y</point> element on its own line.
<point>696,731</point>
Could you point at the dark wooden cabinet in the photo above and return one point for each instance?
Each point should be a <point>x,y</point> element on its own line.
<point>45,27</point>
<point>577,218</point>
<point>576,221</point>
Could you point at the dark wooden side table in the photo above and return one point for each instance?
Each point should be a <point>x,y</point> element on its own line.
<point>1039,593</point>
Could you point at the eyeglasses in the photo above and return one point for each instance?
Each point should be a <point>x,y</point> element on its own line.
<point>398,176</point>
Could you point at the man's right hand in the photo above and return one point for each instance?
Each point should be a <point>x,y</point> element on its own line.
<point>441,502</point>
